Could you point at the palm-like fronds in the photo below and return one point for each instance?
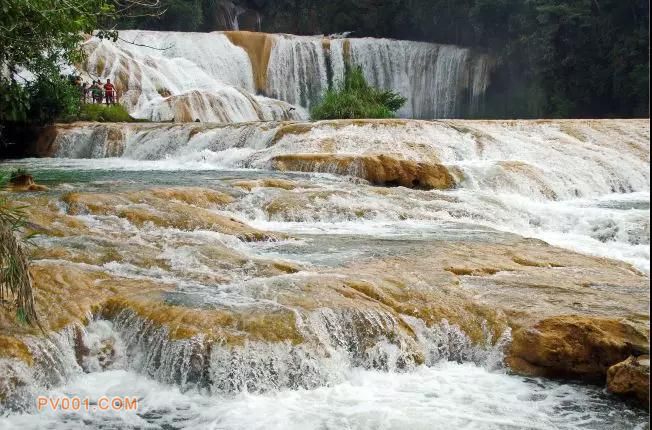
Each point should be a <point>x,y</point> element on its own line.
<point>15,278</point>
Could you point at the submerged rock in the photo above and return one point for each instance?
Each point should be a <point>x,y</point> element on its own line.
<point>25,182</point>
<point>631,377</point>
<point>378,169</point>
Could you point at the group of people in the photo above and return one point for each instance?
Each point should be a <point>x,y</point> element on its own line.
<point>96,92</point>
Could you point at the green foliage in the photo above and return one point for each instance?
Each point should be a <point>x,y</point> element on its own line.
<point>104,113</point>
<point>37,37</point>
<point>15,279</point>
<point>52,98</point>
<point>355,98</point>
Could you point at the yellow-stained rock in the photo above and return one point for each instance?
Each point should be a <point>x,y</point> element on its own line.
<point>574,346</point>
<point>631,377</point>
<point>14,348</point>
<point>265,183</point>
<point>166,209</point>
<point>378,169</point>
<point>259,47</point>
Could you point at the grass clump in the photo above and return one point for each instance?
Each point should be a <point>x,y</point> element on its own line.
<point>105,113</point>
<point>356,99</point>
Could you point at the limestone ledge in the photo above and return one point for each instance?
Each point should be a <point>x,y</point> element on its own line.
<point>378,169</point>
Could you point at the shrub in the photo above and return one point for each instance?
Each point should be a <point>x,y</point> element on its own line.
<point>356,99</point>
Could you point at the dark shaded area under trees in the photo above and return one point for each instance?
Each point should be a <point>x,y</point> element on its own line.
<point>555,58</point>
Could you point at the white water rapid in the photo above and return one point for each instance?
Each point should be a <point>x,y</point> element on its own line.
<point>562,182</point>
<point>273,275</point>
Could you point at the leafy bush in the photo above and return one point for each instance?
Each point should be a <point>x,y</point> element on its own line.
<point>356,99</point>
<point>104,113</point>
<point>52,98</point>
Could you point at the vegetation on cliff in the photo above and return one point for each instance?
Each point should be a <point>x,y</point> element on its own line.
<point>356,99</point>
<point>104,113</point>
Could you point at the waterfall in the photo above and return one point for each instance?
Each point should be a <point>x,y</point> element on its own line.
<point>241,76</point>
<point>227,14</point>
<point>297,70</point>
<point>433,77</point>
<point>183,77</point>
<point>526,158</point>
<point>183,265</point>
<point>537,178</point>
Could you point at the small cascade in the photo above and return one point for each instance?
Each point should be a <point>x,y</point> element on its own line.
<point>518,158</point>
<point>227,15</point>
<point>335,342</point>
<point>55,360</point>
<point>297,71</point>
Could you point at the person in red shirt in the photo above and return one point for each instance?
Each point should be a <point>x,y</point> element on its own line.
<point>109,92</point>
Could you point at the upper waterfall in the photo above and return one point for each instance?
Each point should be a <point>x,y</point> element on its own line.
<point>241,76</point>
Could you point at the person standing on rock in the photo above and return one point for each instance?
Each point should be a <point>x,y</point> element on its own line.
<point>96,92</point>
<point>109,92</point>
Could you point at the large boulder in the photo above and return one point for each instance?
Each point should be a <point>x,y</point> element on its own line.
<point>632,378</point>
<point>578,347</point>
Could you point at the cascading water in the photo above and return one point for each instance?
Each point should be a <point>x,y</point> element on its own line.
<point>220,291</point>
<point>183,76</point>
<point>432,77</point>
<point>504,169</point>
<point>215,76</point>
<point>297,71</point>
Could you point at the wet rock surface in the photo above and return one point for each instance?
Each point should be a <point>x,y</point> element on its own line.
<point>631,377</point>
<point>561,326</point>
